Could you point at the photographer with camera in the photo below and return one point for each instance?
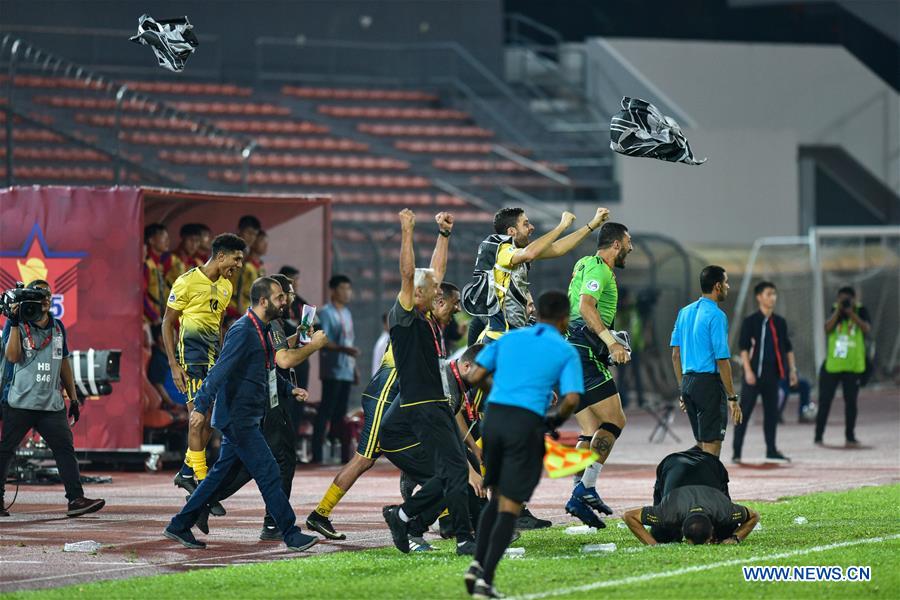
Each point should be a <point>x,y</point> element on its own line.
<point>35,344</point>
<point>845,362</point>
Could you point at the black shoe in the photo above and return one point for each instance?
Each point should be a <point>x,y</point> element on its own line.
<point>83,506</point>
<point>527,521</point>
<point>446,527</point>
<point>397,526</point>
<point>214,508</point>
<point>188,484</point>
<point>776,457</point>
<point>736,459</point>
<point>474,573</point>
<point>302,542</point>
<point>185,538</point>
<point>3,511</point>
<point>203,521</point>
<point>270,533</point>
<point>484,590</point>
<point>854,443</point>
<point>466,548</point>
<point>323,526</point>
<point>818,442</point>
<point>407,486</point>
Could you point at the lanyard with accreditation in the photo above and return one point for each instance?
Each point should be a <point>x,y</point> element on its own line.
<point>270,368</point>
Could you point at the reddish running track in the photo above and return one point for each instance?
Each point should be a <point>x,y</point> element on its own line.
<point>140,504</point>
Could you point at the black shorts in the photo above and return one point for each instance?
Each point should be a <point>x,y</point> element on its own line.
<point>196,374</point>
<point>376,400</point>
<point>598,380</point>
<point>705,402</point>
<point>513,450</point>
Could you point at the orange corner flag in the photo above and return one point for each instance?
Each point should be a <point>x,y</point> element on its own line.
<point>561,460</point>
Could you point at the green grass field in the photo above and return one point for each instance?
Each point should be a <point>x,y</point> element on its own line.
<point>554,565</point>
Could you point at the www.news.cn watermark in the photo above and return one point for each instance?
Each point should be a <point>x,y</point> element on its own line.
<point>807,573</point>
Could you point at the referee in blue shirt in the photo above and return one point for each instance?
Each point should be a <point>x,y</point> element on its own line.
<point>700,357</point>
<point>520,370</point>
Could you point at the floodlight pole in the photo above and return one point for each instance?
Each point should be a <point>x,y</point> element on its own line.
<point>13,53</point>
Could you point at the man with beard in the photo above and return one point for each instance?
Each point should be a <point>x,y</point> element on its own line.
<point>278,423</point>
<point>500,289</point>
<point>195,308</point>
<point>243,381</point>
<point>511,254</point>
<point>593,297</point>
<point>702,362</point>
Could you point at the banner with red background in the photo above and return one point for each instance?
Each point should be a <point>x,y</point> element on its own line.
<point>86,242</point>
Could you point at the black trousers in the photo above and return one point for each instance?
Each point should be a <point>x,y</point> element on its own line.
<point>436,430</point>
<point>281,436</point>
<point>768,389</point>
<point>332,410</point>
<point>53,426</point>
<point>828,383</point>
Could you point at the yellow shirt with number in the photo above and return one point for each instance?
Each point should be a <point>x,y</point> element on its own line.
<point>202,303</point>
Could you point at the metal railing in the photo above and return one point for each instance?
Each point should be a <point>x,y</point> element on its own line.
<point>97,47</point>
<point>19,54</point>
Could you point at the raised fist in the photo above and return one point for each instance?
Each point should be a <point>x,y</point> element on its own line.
<point>444,220</point>
<point>567,219</point>
<point>407,219</point>
<point>600,217</point>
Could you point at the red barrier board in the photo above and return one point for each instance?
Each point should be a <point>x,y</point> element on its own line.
<point>86,242</point>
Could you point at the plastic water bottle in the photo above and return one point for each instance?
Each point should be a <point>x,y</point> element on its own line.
<point>598,548</point>
<point>514,552</point>
<point>801,520</point>
<point>85,546</point>
<point>580,530</point>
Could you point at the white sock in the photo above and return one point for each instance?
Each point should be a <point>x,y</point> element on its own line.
<point>403,516</point>
<point>576,480</point>
<point>589,479</point>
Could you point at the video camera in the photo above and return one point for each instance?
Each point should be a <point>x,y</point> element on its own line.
<point>29,301</point>
<point>95,371</point>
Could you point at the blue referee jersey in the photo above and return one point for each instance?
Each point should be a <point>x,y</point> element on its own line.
<point>701,332</point>
<point>527,364</point>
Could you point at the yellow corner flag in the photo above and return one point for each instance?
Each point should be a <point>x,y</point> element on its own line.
<point>561,460</point>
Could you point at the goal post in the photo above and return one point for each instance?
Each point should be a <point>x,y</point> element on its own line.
<point>808,270</point>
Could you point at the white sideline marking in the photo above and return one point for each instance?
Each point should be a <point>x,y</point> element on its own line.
<point>683,571</point>
<point>132,567</point>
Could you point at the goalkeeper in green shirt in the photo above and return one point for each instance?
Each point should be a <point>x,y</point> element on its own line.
<point>593,297</point>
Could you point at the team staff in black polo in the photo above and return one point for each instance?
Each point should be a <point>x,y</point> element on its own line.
<point>768,359</point>
<point>700,358</point>
<point>418,345</point>
<point>242,381</point>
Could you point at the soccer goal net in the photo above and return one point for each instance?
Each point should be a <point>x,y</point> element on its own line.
<point>809,270</point>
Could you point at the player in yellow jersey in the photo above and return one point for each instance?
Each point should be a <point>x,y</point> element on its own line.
<point>376,399</point>
<point>196,306</point>
<point>515,251</point>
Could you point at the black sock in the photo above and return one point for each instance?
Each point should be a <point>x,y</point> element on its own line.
<point>500,537</point>
<point>485,527</point>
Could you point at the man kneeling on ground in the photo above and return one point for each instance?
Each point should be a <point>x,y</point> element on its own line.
<point>698,513</point>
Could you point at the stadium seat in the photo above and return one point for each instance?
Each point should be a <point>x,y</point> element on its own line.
<point>391,130</point>
<point>393,112</point>
<point>325,93</point>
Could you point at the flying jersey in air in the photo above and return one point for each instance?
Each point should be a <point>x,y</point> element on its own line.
<point>202,303</point>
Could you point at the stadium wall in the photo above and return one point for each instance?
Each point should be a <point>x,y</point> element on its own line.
<point>822,94</point>
<point>747,189</point>
<point>475,24</point>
